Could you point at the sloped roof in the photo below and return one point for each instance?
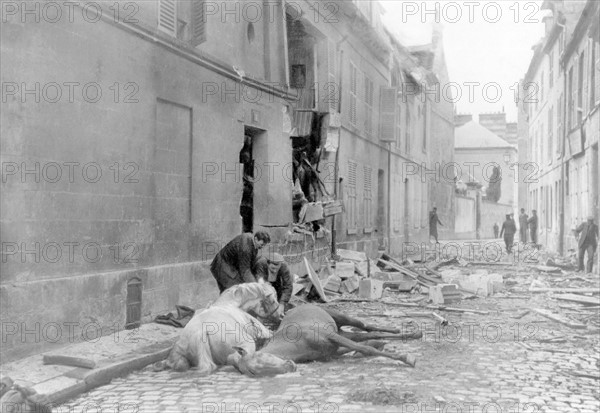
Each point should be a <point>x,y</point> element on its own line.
<point>473,135</point>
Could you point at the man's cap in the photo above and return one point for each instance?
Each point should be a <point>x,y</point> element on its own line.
<point>275,258</point>
<point>507,215</point>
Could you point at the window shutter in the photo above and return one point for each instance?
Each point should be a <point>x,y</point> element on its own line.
<point>368,197</point>
<point>167,16</point>
<point>333,88</point>
<point>353,88</point>
<point>388,114</point>
<point>352,213</point>
<point>198,23</point>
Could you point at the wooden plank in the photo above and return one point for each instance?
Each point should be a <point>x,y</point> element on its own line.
<point>352,255</point>
<point>578,299</point>
<point>559,319</point>
<point>315,280</point>
<point>68,361</point>
<point>564,290</point>
<point>405,271</point>
<point>457,310</point>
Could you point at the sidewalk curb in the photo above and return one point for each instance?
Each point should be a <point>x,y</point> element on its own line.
<point>78,381</point>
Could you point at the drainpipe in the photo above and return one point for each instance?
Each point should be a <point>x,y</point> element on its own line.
<point>389,195</point>
<point>561,229</point>
<point>337,152</point>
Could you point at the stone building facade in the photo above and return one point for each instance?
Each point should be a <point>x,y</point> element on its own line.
<point>122,130</point>
<point>560,106</point>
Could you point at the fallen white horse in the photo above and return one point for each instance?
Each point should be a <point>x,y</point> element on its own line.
<point>211,335</point>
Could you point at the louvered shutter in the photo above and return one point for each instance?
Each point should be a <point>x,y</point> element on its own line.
<point>198,23</point>
<point>167,16</point>
<point>333,87</point>
<point>353,88</point>
<point>388,114</point>
<point>368,197</point>
<point>351,193</point>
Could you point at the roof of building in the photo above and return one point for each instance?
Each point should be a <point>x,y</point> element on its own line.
<point>473,135</point>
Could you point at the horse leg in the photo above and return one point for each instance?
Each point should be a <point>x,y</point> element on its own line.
<point>377,344</point>
<point>358,337</point>
<point>369,351</point>
<point>344,320</point>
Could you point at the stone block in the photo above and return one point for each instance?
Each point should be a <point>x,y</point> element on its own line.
<point>352,255</point>
<point>452,276</point>
<point>351,284</point>
<point>370,289</point>
<point>344,269</point>
<point>444,294</point>
<point>333,283</point>
<point>497,282</point>
<point>362,268</point>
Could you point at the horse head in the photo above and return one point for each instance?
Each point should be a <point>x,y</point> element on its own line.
<point>259,298</point>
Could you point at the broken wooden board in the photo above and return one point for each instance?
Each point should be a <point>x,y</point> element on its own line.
<point>578,299</point>
<point>559,319</point>
<point>315,280</point>
<point>403,270</point>
<point>68,361</point>
<point>457,310</point>
<point>564,290</point>
<point>545,268</point>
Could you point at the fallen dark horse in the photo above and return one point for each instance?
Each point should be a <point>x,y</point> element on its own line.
<point>309,333</point>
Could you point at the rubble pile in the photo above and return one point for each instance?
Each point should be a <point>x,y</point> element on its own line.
<point>354,274</point>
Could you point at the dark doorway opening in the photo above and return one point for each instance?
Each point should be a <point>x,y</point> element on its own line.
<point>247,203</point>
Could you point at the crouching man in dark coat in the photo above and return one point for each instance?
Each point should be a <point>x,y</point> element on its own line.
<point>275,271</point>
<point>234,263</point>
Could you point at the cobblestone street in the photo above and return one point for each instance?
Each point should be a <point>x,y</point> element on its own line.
<point>492,362</point>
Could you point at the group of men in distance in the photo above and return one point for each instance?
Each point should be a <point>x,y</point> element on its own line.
<point>238,262</point>
<point>509,229</point>
<point>586,232</point>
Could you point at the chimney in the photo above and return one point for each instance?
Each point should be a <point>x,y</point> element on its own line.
<point>460,120</point>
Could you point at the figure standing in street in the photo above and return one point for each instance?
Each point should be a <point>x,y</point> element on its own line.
<point>588,241</point>
<point>496,230</point>
<point>433,221</point>
<point>533,224</point>
<point>523,226</point>
<point>234,263</point>
<point>508,229</point>
<point>275,271</point>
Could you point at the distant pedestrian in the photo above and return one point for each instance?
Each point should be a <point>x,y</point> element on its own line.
<point>433,221</point>
<point>533,226</point>
<point>234,263</point>
<point>523,226</point>
<point>496,230</point>
<point>508,229</point>
<point>588,241</point>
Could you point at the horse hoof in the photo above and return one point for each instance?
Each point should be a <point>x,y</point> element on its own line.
<point>411,361</point>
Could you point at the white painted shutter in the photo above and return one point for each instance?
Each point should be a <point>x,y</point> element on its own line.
<point>388,114</point>
<point>198,23</point>
<point>167,16</point>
